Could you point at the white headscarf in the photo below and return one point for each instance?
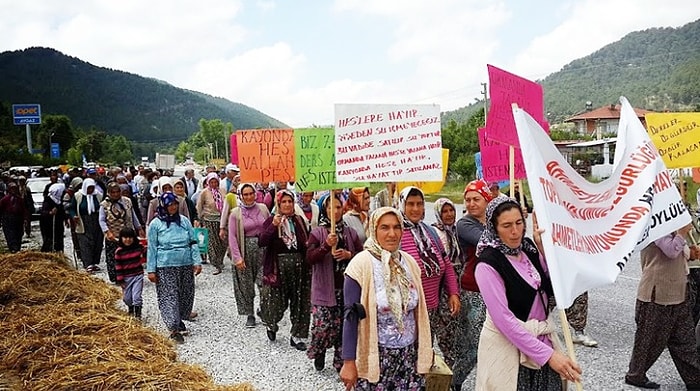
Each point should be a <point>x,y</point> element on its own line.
<point>155,185</point>
<point>89,196</point>
<point>56,192</point>
<point>396,280</point>
<point>164,180</point>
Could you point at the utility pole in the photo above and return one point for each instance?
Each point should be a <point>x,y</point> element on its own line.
<point>226,138</point>
<point>50,136</point>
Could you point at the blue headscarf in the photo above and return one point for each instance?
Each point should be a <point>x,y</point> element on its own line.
<point>165,200</point>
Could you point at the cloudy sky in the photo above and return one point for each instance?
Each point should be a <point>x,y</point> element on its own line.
<point>294,60</point>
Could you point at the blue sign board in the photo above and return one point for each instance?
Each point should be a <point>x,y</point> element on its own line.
<point>55,150</point>
<point>26,114</point>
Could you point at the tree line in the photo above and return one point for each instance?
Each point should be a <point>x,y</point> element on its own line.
<point>98,145</point>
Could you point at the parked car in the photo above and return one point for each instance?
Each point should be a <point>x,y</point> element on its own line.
<point>37,185</point>
<point>23,170</point>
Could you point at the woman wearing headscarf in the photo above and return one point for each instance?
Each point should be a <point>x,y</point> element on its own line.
<point>437,274</point>
<point>209,206</point>
<point>329,252</point>
<point>12,214</point>
<point>386,331</point>
<point>172,262</point>
<point>180,190</point>
<point>144,195</point>
<point>128,192</point>
<point>308,209</point>
<point>116,212</point>
<point>84,211</point>
<point>164,185</point>
<point>72,186</point>
<point>244,226</point>
<point>469,230</point>
<point>662,313</point>
<point>52,218</point>
<point>230,202</point>
<point>450,326</point>
<point>518,343</point>
<point>264,195</point>
<point>357,211</point>
<point>286,277</point>
<point>26,195</point>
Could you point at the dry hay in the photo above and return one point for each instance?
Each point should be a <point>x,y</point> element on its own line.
<point>62,331</point>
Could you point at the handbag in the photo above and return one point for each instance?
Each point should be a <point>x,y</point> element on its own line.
<point>202,236</point>
<point>440,376</point>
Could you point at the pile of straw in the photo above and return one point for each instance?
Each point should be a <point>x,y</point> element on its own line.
<point>62,331</point>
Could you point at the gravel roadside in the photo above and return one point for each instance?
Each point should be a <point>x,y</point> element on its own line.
<point>232,353</point>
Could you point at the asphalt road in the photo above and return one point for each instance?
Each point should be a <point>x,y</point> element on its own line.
<point>610,322</point>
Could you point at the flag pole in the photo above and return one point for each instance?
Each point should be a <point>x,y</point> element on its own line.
<point>569,342</point>
<point>562,313</point>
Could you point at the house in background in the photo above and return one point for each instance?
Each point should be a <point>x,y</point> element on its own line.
<point>600,121</point>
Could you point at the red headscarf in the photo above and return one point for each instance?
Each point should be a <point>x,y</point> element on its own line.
<point>480,186</point>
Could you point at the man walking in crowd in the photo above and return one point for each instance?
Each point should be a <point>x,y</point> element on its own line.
<point>190,183</point>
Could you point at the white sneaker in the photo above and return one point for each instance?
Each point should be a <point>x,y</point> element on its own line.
<point>581,338</point>
<point>589,342</point>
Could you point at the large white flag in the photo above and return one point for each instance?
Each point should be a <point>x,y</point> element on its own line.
<point>591,229</point>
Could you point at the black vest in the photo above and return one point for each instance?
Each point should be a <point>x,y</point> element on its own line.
<point>519,293</point>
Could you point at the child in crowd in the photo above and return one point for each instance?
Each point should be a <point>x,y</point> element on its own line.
<point>129,259</point>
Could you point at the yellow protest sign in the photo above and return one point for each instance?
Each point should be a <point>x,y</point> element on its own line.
<point>431,186</point>
<point>677,137</point>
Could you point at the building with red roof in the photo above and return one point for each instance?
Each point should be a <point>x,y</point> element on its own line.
<point>603,120</point>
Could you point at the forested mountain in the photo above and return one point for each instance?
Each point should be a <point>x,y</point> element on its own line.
<point>117,102</point>
<point>656,69</point>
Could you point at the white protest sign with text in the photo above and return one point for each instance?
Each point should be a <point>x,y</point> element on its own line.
<point>591,229</point>
<point>387,143</point>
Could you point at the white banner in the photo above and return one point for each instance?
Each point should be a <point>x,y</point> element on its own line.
<point>591,229</point>
<point>387,143</point>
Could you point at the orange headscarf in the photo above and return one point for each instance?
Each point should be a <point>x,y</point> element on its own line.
<point>355,198</point>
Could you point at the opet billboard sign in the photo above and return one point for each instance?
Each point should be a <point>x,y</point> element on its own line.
<point>26,114</point>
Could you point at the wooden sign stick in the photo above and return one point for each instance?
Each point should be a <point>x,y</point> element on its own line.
<point>569,342</point>
<point>332,216</point>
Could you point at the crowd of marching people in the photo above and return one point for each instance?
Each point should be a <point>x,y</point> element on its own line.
<point>362,275</point>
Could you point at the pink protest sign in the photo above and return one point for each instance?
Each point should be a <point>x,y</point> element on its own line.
<point>234,149</point>
<point>494,159</point>
<point>505,89</point>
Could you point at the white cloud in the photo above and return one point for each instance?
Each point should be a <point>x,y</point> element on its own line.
<point>446,45</point>
<point>159,38</point>
<point>265,5</point>
<point>437,51</point>
<point>592,24</point>
<point>262,78</point>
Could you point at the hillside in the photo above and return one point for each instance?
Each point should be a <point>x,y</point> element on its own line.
<point>656,69</point>
<point>141,109</point>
